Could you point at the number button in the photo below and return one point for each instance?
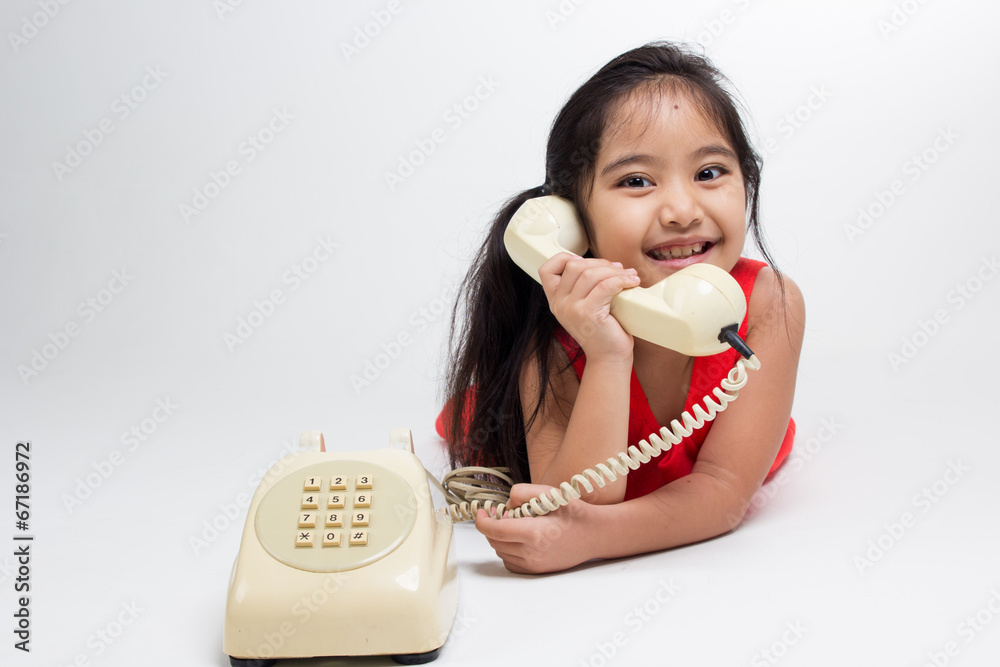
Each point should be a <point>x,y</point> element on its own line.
<point>331,538</point>
<point>335,501</point>
<point>359,519</point>
<point>338,483</point>
<point>363,482</point>
<point>307,520</point>
<point>334,520</point>
<point>310,502</point>
<point>312,484</point>
<point>362,500</point>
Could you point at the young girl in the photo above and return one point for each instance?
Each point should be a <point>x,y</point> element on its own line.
<point>654,155</point>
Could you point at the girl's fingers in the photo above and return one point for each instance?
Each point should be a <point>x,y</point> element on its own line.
<point>567,275</point>
<point>593,276</point>
<point>551,271</point>
<point>579,291</point>
<point>611,285</point>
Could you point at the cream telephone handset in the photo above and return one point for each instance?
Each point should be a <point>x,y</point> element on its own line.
<point>684,312</point>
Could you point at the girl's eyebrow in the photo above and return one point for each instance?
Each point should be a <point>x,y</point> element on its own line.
<point>704,151</point>
<point>628,159</point>
<point>715,149</point>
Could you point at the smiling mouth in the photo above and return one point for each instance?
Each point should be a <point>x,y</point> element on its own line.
<point>679,252</point>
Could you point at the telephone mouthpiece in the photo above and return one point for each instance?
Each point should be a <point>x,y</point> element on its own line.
<point>685,311</point>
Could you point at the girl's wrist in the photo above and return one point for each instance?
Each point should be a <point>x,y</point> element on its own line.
<point>612,360</point>
<point>593,520</point>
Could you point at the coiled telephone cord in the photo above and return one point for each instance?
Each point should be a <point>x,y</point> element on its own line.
<point>470,489</point>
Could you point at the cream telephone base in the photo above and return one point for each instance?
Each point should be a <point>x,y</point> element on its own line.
<point>342,555</point>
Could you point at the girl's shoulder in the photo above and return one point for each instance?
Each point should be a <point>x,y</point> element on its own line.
<point>775,302</point>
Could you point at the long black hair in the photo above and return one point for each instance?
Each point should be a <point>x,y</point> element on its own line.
<point>506,319</point>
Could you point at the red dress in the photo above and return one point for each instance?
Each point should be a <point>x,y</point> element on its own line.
<point>706,374</point>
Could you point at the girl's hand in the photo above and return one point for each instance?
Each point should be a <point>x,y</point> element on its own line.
<point>535,545</point>
<point>579,291</point>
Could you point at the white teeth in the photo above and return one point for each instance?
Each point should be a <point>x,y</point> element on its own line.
<point>677,252</point>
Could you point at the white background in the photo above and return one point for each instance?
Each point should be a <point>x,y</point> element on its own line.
<point>825,551</point>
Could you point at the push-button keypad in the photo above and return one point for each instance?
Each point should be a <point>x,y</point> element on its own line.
<point>334,517</point>
<point>337,501</point>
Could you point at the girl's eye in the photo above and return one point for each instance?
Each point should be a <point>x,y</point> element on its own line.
<point>710,173</point>
<point>636,182</point>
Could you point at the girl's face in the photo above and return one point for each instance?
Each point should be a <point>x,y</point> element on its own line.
<point>668,190</point>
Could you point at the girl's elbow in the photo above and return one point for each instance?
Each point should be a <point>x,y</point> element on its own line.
<point>730,505</point>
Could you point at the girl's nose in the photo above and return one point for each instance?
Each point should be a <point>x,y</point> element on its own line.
<point>679,205</point>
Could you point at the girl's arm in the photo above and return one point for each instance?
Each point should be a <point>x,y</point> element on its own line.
<point>731,465</point>
<point>581,423</point>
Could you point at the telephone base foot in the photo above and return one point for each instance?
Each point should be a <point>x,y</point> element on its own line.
<point>252,662</point>
<point>405,659</point>
<point>416,658</point>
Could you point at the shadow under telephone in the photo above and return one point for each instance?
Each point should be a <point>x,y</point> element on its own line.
<point>343,554</point>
